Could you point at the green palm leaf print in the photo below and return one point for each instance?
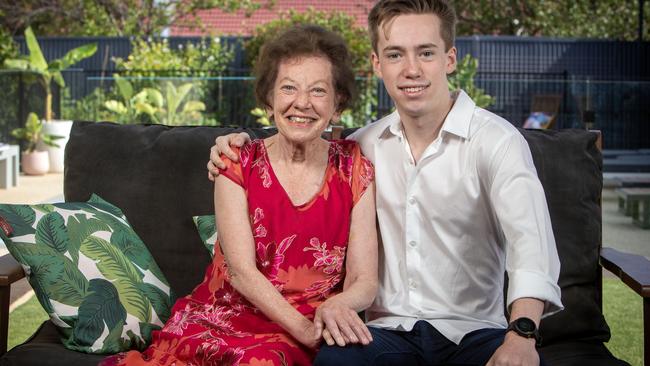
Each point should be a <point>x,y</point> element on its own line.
<point>79,228</point>
<point>58,277</point>
<point>100,308</point>
<point>21,217</point>
<point>51,231</point>
<point>121,272</point>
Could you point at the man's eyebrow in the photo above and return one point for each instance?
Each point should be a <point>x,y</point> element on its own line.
<point>400,48</point>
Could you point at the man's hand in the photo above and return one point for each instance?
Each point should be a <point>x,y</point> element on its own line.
<point>222,145</point>
<point>515,350</point>
<point>340,325</point>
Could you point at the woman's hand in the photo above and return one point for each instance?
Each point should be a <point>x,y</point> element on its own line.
<point>308,335</point>
<point>339,324</point>
<point>223,145</point>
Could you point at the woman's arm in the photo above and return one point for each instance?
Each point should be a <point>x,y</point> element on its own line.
<point>236,240</point>
<point>339,313</point>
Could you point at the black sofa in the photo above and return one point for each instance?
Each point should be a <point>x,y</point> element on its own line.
<point>157,176</point>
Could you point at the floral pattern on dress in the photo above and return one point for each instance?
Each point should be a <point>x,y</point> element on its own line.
<point>294,250</point>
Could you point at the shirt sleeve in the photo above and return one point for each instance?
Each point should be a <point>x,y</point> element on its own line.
<point>363,173</point>
<point>519,203</point>
<point>233,171</point>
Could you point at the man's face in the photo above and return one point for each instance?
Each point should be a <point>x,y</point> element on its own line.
<point>412,61</point>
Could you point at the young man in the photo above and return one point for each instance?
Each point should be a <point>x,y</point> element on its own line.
<point>458,204</point>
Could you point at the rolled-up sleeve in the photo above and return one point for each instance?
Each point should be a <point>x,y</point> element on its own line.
<point>520,206</point>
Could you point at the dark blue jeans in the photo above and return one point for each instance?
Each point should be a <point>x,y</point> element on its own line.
<point>423,345</point>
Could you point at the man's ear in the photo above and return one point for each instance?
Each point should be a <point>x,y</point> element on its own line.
<point>376,67</point>
<point>451,60</point>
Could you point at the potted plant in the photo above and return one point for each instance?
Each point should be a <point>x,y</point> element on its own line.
<point>46,73</point>
<point>34,162</point>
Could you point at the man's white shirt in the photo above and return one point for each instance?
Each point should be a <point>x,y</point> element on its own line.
<point>472,206</point>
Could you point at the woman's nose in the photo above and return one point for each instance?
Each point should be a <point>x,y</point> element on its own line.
<point>302,100</point>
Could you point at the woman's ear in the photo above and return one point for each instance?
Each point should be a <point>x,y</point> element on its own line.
<point>336,118</point>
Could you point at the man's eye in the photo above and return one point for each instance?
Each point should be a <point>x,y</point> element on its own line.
<point>427,53</point>
<point>393,56</point>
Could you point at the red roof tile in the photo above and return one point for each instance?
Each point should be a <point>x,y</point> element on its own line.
<point>219,22</point>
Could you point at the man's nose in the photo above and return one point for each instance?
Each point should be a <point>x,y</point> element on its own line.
<point>412,67</point>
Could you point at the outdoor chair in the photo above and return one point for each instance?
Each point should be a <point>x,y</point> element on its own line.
<point>549,104</point>
<point>156,175</point>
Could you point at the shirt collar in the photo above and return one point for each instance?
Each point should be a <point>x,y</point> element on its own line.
<point>457,121</point>
<point>460,116</point>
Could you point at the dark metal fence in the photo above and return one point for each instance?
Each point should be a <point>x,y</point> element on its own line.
<point>613,77</point>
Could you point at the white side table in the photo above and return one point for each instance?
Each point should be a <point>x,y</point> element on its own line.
<point>9,166</point>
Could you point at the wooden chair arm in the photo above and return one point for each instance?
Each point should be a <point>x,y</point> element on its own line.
<point>10,272</point>
<point>634,271</point>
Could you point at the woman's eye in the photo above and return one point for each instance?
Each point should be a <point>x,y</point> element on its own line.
<point>287,88</point>
<point>319,91</point>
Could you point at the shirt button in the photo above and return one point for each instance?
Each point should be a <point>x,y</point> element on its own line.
<point>412,285</point>
<point>412,200</point>
<point>413,244</point>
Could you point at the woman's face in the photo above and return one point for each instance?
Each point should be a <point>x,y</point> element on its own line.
<point>303,98</point>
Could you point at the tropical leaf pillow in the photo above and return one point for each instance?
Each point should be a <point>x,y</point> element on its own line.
<point>90,271</point>
<point>207,228</point>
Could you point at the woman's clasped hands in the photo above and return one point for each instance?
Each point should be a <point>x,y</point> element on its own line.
<point>338,324</point>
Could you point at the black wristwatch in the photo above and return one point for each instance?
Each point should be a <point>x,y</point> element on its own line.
<point>526,328</point>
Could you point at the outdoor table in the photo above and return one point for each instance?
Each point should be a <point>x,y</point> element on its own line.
<point>8,166</point>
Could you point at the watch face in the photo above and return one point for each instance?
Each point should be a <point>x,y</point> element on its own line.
<point>526,325</point>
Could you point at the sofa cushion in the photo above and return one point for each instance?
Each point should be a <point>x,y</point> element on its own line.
<point>44,348</point>
<point>91,273</point>
<point>569,165</point>
<point>157,175</point>
<point>579,354</point>
<point>207,228</point>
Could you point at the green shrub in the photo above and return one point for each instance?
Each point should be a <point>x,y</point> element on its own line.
<point>463,78</point>
<point>151,58</point>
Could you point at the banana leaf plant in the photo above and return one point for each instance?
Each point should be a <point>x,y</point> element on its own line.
<point>463,78</point>
<point>46,72</point>
<point>32,133</point>
<point>168,107</point>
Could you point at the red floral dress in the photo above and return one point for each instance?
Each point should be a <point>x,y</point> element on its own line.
<point>300,250</point>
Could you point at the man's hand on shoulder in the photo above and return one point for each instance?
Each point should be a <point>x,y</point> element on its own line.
<point>223,145</point>
<point>515,350</point>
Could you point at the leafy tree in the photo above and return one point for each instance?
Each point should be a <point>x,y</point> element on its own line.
<point>613,19</point>
<point>8,48</point>
<point>109,17</point>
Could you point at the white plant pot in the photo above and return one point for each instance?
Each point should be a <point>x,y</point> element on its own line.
<point>56,128</point>
<point>35,163</point>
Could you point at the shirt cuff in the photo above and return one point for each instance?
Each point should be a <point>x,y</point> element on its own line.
<point>535,285</point>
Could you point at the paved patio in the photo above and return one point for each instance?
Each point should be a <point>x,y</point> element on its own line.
<point>618,230</point>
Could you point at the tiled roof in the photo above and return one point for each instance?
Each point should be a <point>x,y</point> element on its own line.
<point>219,22</point>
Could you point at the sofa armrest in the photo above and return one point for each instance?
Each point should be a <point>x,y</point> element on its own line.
<point>634,271</point>
<point>10,272</point>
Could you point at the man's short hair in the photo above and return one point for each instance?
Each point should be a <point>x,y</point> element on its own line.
<point>386,10</point>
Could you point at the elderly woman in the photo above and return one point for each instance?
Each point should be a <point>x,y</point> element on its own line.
<point>296,223</point>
